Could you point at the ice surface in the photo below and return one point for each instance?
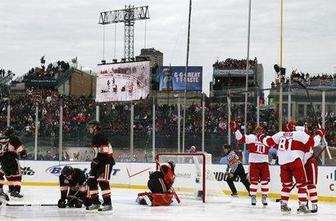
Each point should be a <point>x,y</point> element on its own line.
<point>126,209</point>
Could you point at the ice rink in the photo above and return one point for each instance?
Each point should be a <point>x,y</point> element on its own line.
<point>125,208</point>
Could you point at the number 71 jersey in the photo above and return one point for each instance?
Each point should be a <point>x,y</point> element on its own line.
<point>291,145</point>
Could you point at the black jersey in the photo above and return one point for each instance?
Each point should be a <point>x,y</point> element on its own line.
<point>77,179</point>
<point>11,147</point>
<point>102,145</point>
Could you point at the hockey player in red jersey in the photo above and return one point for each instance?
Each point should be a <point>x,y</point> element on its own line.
<point>160,184</point>
<point>101,167</point>
<point>292,145</point>
<point>258,160</point>
<point>311,167</point>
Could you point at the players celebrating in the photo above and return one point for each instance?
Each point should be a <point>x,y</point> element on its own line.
<point>101,167</point>
<point>292,145</point>
<point>258,160</point>
<point>160,184</point>
<point>73,188</point>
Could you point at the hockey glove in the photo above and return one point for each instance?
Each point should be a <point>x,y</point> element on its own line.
<point>261,137</point>
<point>61,203</point>
<point>233,126</point>
<point>321,132</point>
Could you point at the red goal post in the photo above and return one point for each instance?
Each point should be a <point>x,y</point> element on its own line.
<point>193,174</point>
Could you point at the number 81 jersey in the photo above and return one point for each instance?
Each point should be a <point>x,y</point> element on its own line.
<point>291,145</point>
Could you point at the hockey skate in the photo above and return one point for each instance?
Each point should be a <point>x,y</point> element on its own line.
<point>105,207</point>
<point>314,208</point>
<point>303,209</point>
<point>253,200</point>
<point>3,196</point>
<point>264,200</point>
<point>16,194</point>
<point>284,208</point>
<point>93,207</point>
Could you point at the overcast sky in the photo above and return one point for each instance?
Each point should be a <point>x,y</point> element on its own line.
<point>64,29</point>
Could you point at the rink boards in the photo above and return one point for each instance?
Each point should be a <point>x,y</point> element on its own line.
<point>135,175</point>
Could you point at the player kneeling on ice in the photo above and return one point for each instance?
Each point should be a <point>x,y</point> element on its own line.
<point>160,184</point>
<point>73,188</point>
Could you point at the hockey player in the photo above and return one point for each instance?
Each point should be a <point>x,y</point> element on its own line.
<point>73,188</point>
<point>258,160</point>
<point>3,196</point>
<point>101,167</point>
<point>311,168</point>
<point>160,184</point>
<point>292,145</point>
<point>3,147</point>
<point>234,169</point>
<point>12,150</point>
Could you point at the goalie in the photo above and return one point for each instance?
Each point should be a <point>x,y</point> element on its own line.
<point>160,184</point>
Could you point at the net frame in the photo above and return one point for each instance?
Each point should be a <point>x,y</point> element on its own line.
<point>203,168</point>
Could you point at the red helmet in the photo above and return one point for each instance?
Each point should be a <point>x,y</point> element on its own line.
<point>259,130</point>
<point>290,126</point>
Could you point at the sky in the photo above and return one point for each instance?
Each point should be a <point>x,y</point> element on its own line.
<point>64,29</point>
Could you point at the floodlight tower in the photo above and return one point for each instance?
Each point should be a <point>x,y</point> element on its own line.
<point>128,16</point>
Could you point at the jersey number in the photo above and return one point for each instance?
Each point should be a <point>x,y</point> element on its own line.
<point>261,149</point>
<point>285,144</point>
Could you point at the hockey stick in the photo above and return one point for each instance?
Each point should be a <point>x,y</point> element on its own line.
<point>315,118</point>
<point>30,204</point>
<point>74,196</point>
<point>171,188</point>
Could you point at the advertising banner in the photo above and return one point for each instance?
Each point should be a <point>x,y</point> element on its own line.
<point>173,78</point>
<point>122,81</point>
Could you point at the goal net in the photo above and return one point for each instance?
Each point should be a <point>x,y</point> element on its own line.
<point>194,176</point>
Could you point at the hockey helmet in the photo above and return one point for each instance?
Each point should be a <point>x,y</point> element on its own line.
<point>93,123</point>
<point>290,126</point>
<point>259,130</point>
<point>9,131</point>
<point>67,171</point>
<point>172,164</point>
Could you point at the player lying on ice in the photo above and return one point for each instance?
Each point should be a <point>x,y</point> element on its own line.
<point>73,188</point>
<point>160,184</point>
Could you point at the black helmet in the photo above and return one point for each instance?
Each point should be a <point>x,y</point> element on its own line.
<point>172,164</point>
<point>9,131</point>
<point>93,123</point>
<point>67,170</point>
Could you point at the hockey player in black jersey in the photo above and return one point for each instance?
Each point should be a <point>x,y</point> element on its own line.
<point>101,167</point>
<point>11,150</point>
<point>73,188</point>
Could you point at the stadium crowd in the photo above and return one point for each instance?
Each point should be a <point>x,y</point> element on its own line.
<point>233,64</point>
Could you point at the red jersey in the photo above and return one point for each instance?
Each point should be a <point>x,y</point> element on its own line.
<point>258,151</point>
<point>168,175</point>
<point>291,145</point>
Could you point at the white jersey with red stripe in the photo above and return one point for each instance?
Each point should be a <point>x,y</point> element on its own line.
<point>291,145</point>
<point>258,151</point>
